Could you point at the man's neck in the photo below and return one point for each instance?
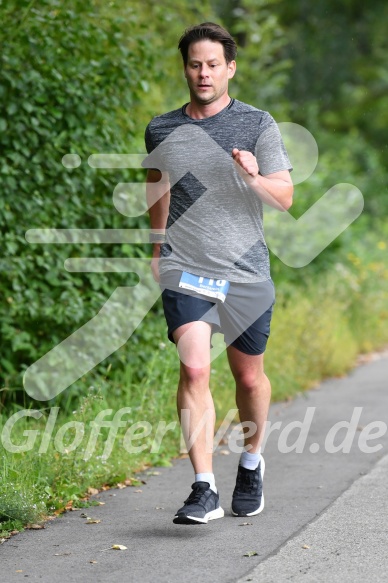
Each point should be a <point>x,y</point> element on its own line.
<point>200,111</point>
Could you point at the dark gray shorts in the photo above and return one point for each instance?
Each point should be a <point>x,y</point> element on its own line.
<point>244,318</point>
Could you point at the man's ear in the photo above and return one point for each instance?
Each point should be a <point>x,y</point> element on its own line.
<point>231,69</point>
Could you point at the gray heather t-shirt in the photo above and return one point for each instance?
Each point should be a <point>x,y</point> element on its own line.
<point>215,222</point>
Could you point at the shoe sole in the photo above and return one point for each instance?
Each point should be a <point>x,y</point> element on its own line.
<point>217,513</point>
<point>261,507</point>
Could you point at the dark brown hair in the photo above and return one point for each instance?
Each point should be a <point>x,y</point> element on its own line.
<point>208,31</point>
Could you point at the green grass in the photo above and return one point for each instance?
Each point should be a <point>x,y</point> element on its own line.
<point>317,332</point>
<point>35,484</point>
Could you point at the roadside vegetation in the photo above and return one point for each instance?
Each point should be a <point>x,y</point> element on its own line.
<point>94,78</point>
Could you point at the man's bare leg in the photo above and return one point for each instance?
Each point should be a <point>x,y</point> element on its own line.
<point>253,392</point>
<point>194,398</point>
<point>193,343</point>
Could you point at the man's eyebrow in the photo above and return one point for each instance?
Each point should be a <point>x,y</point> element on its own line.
<point>199,61</point>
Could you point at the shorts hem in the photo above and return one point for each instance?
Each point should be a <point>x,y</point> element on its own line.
<point>258,352</point>
<point>215,328</point>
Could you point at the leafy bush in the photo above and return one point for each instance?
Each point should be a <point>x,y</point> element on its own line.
<point>70,74</point>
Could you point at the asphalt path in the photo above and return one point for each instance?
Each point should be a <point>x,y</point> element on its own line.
<point>317,502</point>
<point>347,543</point>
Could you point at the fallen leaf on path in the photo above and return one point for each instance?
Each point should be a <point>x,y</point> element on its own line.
<point>305,547</point>
<point>116,548</point>
<point>250,554</point>
<point>92,491</point>
<point>138,491</point>
<point>92,521</point>
<point>35,526</point>
<point>83,515</point>
<point>59,511</point>
<point>153,473</point>
<point>120,486</point>
<point>92,561</point>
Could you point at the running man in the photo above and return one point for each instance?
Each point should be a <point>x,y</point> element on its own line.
<point>212,164</point>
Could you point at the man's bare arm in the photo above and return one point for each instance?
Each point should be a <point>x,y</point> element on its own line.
<point>274,189</point>
<point>158,201</point>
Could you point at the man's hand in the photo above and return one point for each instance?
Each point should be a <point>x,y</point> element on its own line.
<point>246,161</point>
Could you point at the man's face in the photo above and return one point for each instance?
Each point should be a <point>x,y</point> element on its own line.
<point>207,72</point>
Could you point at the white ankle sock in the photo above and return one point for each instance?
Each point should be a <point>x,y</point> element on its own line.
<point>207,477</point>
<point>250,461</point>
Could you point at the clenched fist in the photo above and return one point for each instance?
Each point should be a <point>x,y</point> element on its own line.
<point>246,161</point>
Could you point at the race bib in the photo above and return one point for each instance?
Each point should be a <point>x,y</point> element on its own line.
<point>214,288</point>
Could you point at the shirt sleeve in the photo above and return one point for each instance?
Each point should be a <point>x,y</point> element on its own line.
<point>270,151</point>
<point>150,146</point>
<point>148,140</point>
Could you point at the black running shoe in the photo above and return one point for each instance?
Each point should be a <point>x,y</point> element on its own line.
<point>248,497</point>
<point>202,505</point>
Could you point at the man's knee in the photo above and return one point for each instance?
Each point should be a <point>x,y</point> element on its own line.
<point>194,376</point>
<point>250,381</point>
